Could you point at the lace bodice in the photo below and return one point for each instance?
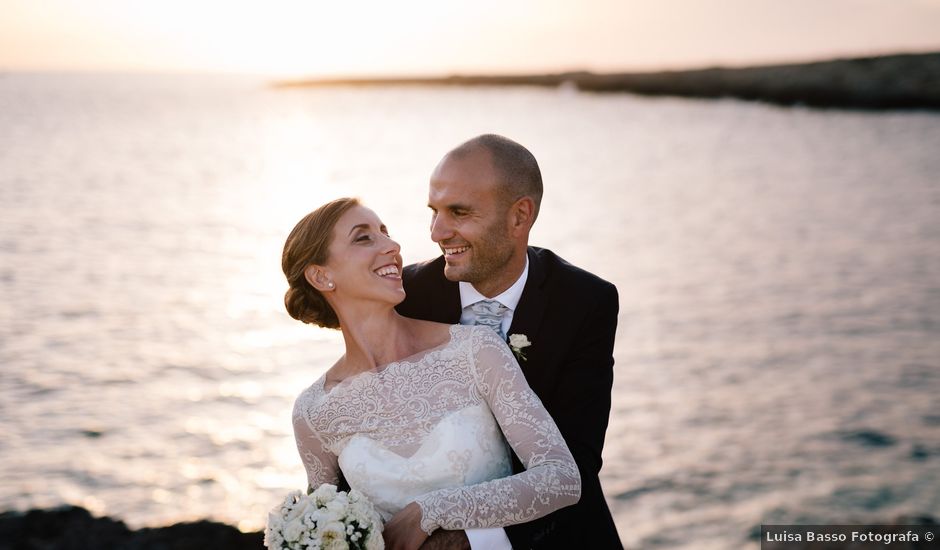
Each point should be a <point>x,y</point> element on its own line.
<point>430,429</point>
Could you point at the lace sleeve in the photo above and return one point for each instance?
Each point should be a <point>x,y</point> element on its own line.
<point>551,480</point>
<point>321,465</point>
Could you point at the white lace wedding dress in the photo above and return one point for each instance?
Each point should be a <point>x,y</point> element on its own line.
<point>430,428</point>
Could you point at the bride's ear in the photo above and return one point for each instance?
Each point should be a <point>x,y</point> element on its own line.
<point>319,278</point>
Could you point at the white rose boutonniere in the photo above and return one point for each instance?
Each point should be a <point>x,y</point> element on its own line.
<point>518,342</point>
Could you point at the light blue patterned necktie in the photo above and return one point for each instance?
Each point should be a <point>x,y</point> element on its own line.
<point>490,314</point>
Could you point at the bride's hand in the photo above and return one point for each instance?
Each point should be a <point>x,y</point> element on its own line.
<point>403,531</point>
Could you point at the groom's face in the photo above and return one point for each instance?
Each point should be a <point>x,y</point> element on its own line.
<point>469,220</point>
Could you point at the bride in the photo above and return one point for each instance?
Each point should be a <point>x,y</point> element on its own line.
<point>416,414</point>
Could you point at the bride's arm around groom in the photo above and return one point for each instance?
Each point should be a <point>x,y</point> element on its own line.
<point>550,480</point>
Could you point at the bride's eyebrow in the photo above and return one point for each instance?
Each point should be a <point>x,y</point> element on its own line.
<point>366,226</point>
<point>359,226</point>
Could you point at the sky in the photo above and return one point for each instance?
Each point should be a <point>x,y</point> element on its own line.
<point>436,37</point>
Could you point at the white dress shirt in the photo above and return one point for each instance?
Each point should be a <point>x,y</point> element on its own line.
<point>509,298</point>
<point>493,538</point>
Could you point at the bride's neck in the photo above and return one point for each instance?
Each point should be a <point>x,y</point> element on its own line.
<point>374,338</point>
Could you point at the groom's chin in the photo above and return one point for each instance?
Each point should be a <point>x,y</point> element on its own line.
<point>452,272</point>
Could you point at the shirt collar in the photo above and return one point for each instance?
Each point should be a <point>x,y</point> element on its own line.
<point>509,297</point>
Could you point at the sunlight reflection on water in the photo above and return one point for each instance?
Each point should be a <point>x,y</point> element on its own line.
<point>777,268</point>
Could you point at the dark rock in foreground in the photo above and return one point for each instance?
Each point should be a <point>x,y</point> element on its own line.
<point>906,81</point>
<point>74,528</point>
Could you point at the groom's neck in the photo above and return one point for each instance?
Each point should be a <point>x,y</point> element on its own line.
<point>503,277</point>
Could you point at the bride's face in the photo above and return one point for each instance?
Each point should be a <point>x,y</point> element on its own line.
<point>364,262</point>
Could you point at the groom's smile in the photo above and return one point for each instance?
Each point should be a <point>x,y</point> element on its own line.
<point>456,256</point>
<point>453,251</point>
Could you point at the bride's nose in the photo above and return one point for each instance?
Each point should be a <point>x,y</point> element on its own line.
<point>391,246</point>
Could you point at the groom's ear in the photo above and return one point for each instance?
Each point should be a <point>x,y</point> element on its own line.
<point>522,214</point>
<point>319,278</point>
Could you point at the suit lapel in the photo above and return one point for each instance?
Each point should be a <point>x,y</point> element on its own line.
<point>527,319</point>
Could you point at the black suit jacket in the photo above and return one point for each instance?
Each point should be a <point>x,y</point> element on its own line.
<point>570,316</point>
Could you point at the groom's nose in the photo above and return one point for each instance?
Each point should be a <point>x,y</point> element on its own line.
<point>440,228</point>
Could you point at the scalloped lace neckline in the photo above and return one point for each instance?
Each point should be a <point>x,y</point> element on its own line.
<point>412,359</point>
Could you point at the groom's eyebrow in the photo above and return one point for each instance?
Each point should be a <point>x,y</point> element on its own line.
<point>452,207</point>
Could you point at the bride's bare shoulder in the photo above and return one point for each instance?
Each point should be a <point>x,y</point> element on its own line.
<point>429,333</point>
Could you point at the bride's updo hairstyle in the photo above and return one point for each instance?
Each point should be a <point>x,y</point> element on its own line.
<point>309,243</point>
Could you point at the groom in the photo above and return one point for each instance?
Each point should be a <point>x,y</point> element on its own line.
<point>484,197</point>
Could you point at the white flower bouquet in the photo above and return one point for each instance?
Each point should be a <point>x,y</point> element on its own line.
<point>326,519</point>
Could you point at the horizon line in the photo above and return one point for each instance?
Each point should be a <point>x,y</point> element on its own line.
<point>279,77</point>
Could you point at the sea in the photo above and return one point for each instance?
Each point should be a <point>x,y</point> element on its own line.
<point>778,344</point>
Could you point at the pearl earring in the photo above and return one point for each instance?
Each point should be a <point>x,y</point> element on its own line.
<point>329,284</point>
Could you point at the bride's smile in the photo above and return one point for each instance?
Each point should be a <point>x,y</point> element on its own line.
<point>389,271</point>
<point>361,253</point>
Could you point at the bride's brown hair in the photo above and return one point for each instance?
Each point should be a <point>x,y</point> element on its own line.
<point>309,243</point>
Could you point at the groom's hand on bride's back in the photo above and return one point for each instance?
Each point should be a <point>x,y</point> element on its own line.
<point>446,540</point>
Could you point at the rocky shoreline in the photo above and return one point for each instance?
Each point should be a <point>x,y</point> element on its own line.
<point>903,81</point>
<point>74,528</point>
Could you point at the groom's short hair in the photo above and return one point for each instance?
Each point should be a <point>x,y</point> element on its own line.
<point>514,164</point>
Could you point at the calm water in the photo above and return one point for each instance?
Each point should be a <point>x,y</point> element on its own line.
<point>779,274</point>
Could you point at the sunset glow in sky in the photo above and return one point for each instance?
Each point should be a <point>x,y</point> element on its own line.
<point>313,37</point>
